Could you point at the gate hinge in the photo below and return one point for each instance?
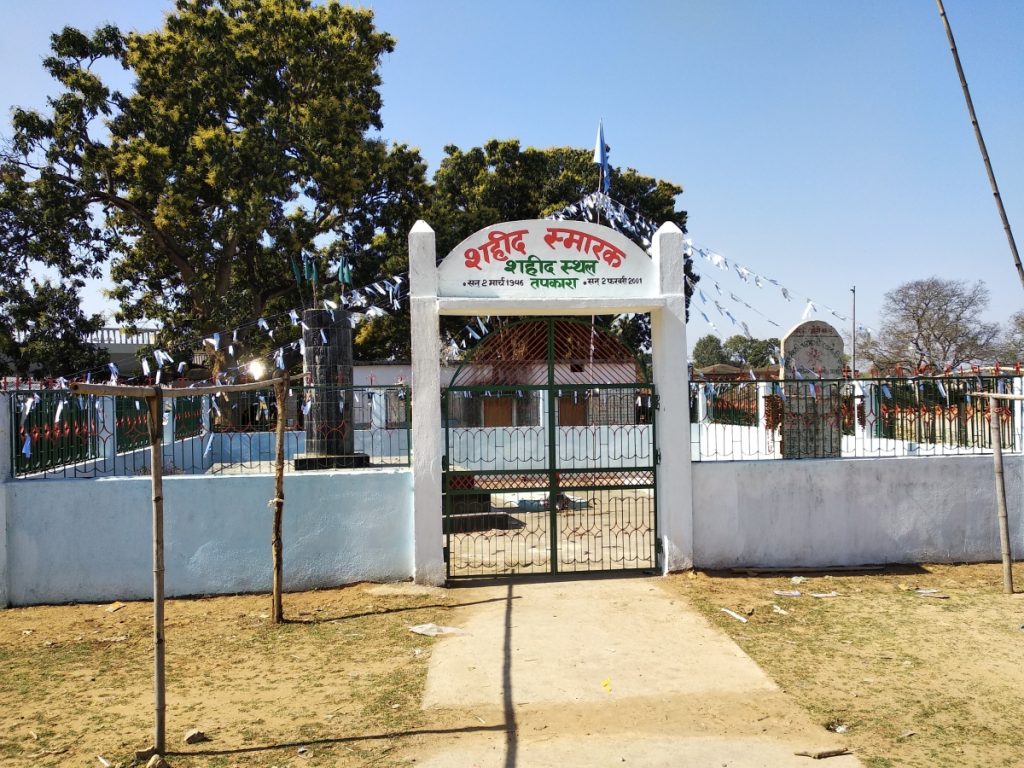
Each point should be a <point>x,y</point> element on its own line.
<point>445,553</point>
<point>656,400</point>
<point>657,456</point>
<point>444,463</point>
<point>657,545</point>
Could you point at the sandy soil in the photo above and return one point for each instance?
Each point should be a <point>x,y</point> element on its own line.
<point>598,672</point>
<point>339,680</point>
<point>917,678</point>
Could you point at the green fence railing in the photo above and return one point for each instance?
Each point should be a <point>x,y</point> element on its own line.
<point>52,428</point>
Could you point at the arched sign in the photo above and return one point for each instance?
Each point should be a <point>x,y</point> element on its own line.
<point>547,260</point>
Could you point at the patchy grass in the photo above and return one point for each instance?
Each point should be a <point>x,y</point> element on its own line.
<point>912,680</point>
<point>342,680</point>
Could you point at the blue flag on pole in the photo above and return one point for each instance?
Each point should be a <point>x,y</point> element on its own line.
<point>601,157</point>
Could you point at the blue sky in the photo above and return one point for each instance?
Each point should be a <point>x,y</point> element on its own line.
<point>823,144</point>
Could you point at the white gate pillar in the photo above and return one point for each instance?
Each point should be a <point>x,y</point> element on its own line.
<point>668,345</point>
<point>7,423</point>
<point>428,539</point>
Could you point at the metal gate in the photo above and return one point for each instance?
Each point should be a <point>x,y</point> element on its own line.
<point>550,458</point>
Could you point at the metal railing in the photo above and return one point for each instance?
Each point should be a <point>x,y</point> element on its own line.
<point>376,420</point>
<point>55,433</point>
<point>834,418</point>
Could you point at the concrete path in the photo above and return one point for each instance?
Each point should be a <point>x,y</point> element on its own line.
<point>601,673</point>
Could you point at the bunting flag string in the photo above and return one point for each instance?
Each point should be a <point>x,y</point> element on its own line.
<point>392,289</point>
<point>633,224</point>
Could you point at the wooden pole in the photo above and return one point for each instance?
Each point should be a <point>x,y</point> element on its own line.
<point>81,388</point>
<point>1004,528</point>
<point>154,404</point>
<point>281,393</point>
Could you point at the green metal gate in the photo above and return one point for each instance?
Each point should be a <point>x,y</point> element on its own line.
<point>550,460</point>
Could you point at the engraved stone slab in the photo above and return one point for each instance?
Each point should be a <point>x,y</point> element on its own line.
<point>812,411</point>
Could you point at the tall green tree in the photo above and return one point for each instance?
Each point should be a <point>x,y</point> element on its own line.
<point>42,328</point>
<point>751,353</point>
<point>245,146</point>
<point>43,331</point>
<point>708,351</point>
<point>502,181</point>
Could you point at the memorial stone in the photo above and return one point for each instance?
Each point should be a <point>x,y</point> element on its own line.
<point>812,409</point>
<point>328,403</point>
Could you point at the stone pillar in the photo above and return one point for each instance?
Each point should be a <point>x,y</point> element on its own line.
<point>428,538</point>
<point>668,343</point>
<point>812,422</point>
<point>328,365</point>
<point>329,422</point>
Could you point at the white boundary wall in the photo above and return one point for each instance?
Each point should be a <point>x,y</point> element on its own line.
<point>91,540</point>
<point>827,512</point>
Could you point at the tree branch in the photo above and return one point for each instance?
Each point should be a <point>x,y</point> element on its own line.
<point>167,242</point>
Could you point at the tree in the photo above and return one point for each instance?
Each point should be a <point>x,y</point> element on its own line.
<point>501,181</point>
<point>242,158</point>
<point>1011,348</point>
<point>42,328</point>
<point>751,353</point>
<point>932,324</point>
<point>708,351</point>
<point>43,331</point>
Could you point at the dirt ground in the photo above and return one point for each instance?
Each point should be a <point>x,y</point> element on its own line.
<point>913,678</point>
<point>337,681</point>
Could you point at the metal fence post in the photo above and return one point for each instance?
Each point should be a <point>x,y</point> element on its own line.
<point>207,432</point>
<point>762,430</point>
<point>1018,414</point>
<point>106,430</point>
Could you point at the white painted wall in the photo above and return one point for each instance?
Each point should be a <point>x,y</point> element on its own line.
<point>822,512</point>
<point>91,540</point>
<point>249,447</point>
<point>381,374</point>
<point>525,448</point>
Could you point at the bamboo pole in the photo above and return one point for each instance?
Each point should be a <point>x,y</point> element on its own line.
<point>281,393</point>
<point>1004,528</point>
<point>154,404</point>
<point>981,143</point>
<point>154,397</point>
